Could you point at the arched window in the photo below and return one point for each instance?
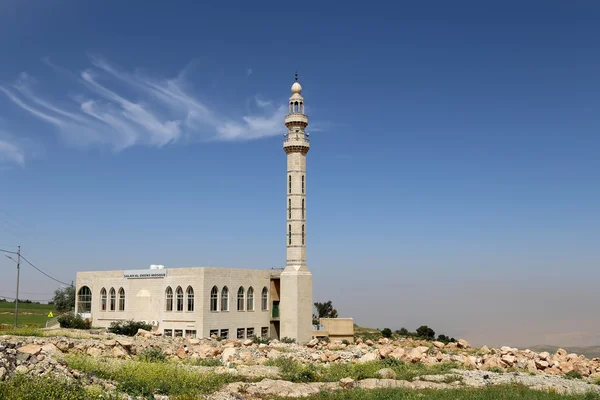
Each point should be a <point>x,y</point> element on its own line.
<point>214,298</point>
<point>169,296</point>
<point>225,299</point>
<point>240,302</point>
<point>250,299</point>
<point>289,184</point>
<point>113,299</point>
<point>303,184</point>
<point>289,208</point>
<point>190,298</point>
<point>121,299</point>
<point>290,235</point>
<point>302,208</point>
<point>302,234</point>
<point>179,293</point>
<point>264,299</point>
<point>84,300</point>
<point>103,300</point>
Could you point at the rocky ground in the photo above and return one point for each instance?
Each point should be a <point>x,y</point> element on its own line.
<point>480,367</point>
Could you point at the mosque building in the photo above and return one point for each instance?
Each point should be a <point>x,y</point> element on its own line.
<point>226,302</point>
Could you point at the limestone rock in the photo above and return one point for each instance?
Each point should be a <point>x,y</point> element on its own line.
<point>229,354</point>
<point>508,359</point>
<point>484,350</point>
<point>398,353</point>
<point>313,343</point>
<point>368,357</point>
<point>385,351</point>
<point>369,342</point>
<point>94,352</point>
<point>247,342</point>
<point>347,383</point>
<point>181,352</point>
<point>463,344</point>
<point>386,373</point>
<point>119,351</point>
<point>32,349</point>
<point>541,364</point>
<point>439,345</point>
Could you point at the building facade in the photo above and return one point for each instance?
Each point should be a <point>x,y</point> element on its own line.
<point>226,302</point>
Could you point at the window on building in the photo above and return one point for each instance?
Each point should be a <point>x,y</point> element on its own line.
<point>240,333</point>
<point>169,299</point>
<point>289,208</point>
<point>224,333</point>
<point>290,234</point>
<point>264,299</point>
<point>121,299</point>
<point>302,184</point>
<point>178,332</point>
<point>225,299</point>
<point>249,332</point>
<point>289,184</point>
<point>240,298</point>
<point>250,299</point>
<point>190,333</point>
<point>214,298</point>
<point>264,331</point>
<point>168,332</point>
<point>179,294</point>
<point>103,300</point>
<point>190,298</point>
<point>113,299</point>
<point>214,333</point>
<point>84,300</point>
<point>302,234</point>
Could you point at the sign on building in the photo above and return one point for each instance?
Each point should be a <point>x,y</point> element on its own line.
<point>141,274</point>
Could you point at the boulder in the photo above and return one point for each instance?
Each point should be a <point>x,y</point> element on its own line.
<point>384,351</point>
<point>333,357</point>
<point>544,355</point>
<point>439,345</point>
<point>94,352</point>
<point>119,351</point>
<point>248,342</point>
<point>31,349</point>
<point>386,373</point>
<point>541,364</point>
<point>463,344</point>
<point>508,359</point>
<point>398,353</point>
<point>347,383</point>
<point>368,357</point>
<point>313,343</point>
<point>229,354</point>
<point>181,352</point>
<point>143,333</point>
<point>369,342</point>
<point>484,350</point>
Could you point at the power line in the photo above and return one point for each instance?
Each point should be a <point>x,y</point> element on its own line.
<point>54,279</point>
<point>8,251</point>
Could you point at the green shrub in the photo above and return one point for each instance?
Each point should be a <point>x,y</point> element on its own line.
<point>386,333</point>
<point>205,362</point>
<point>152,354</point>
<point>345,342</point>
<point>573,375</point>
<point>287,340</point>
<point>128,328</point>
<point>260,340</point>
<point>496,369</point>
<point>71,321</point>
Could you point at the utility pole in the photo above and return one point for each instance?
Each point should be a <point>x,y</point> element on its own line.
<point>17,295</point>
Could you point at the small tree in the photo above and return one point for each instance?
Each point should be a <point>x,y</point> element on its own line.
<point>324,310</point>
<point>443,338</point>
<point>402,332</point>
<point>386,332</point>
<point>425,332</point>
<point>64,299</point>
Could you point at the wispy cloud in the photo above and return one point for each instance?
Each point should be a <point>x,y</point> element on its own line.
<point>249,72</point>
<point>11,153</point>
<point>121,109</point>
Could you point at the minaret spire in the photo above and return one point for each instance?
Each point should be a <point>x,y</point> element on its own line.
<point>296,280</point>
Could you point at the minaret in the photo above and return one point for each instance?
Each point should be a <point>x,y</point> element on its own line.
<point>296,280</point>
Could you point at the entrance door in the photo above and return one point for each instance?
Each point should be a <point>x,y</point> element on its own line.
<point>276,309</point>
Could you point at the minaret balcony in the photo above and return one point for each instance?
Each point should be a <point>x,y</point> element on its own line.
<point>296,145</point>
<point>296,119</point>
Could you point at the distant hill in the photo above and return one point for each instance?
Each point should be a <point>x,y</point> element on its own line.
<point>589,351</point>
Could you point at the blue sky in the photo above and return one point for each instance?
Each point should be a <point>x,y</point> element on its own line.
<point>453,177</point>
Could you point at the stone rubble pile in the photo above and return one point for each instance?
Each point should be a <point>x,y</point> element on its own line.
<point>42,355</point>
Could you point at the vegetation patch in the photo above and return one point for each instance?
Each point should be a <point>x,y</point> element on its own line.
<point>22,387</point>
<point>148,378</point>
<point>295,371</point>
<point>70,321</point>
<point>511,392</point>
<point>25,331</point>
<point>128,328</point>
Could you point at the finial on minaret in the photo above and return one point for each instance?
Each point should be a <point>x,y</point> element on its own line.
<point>296,75</point>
